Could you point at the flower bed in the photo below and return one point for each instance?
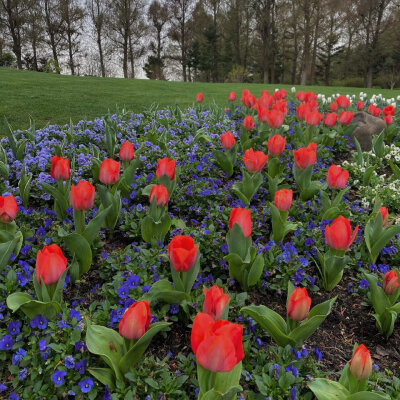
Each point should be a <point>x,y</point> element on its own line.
<point>122,264</point>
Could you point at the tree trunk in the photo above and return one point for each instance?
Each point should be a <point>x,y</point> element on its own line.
<point>305,71</point>
<point>131,57</point>
<point>70,52</point>
<point>314,54</point>
<point>100,46</point>
<point>125,56</point>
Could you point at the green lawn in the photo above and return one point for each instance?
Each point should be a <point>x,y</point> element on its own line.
<point>57,98</point>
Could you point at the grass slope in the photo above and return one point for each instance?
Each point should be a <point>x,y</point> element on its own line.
<point>53,99</point>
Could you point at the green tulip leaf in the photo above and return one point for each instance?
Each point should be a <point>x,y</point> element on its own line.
<point>105,375</point>
<point>325,389</point>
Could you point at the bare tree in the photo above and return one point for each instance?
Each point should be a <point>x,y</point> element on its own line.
<point>126,26</point>
<point>97,13</point>
<point>34,30</point>
<point>54,26</point>
<point>72,14</point>
<point>180,12</point>
<point>14,18</point>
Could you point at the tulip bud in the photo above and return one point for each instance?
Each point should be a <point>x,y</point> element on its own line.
<point>384,213</point>
<point>82,195</point>
<point>127,152</point>
<point>360,105</point>
<point>305,156</point>
<point>232,96</point>
<point>50,264</point>
<point>276,145</point>
<point>283,199</point>
<point>313,118</point>
<point>215,302</point>
<point>330,119</point>
<point>361,363</point>
<point>165,166</point>
<point>227,140</point>
<point>109,171</point>
<point>136,320</point>
<point>299,304</point>
<point>160,194</point>
<point>390,282</point>
<point>242,217</point>
<point>199,97</point>
<point>388,119</point>
<point>182,253</point>
<point>248,123</point>
<point>343,101</point>
<point>60,168</point>
<point>345,117</point>
<point>8,208</point>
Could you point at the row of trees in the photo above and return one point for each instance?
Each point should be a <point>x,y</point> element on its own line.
<point>270,41</point>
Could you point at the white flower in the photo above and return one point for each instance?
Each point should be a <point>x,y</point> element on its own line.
<point>293,89</point>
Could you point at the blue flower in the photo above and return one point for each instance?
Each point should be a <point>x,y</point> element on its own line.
<point>58,377</point>
<point>14,327</point>
<point>22,374</point>
<point>174,309</point>
<point>75,314</point>
<point>293,393</point>
<point>123,291</point>
<point>2,388</point>
<point>63,324</point>
<point>6,342</point>
<point>86,385</point>
<point>39,322</point>
<point>80,366</point>
<point>69,362</point>
<point>364,284</point>
<point>13,396</point>
<point>18,356</point>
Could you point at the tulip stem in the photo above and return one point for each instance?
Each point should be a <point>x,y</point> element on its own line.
<point>79,220</point>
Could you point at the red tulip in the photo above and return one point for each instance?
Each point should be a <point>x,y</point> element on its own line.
<point>60,168</point>
<point>166,166</point>
<point>136,320</point>
<point>313,118</point>
<point>360,105</point>
<point>300,96</point>
<point>276,145</point>
<point>280,94</point>
<point>299,304</point>
<point>109,171</point>
<point>254,161</point>
<point>389,110</point>
<point>82,195</point>
<point>337,177</point>
<point>50,264</point>
<point>375,111</point>
<point>384,213</point>
<point>390,282</point>
<point>261,113</point>
<point>310,97</point>
<point>281,106</point>
<point>215,301</point>
<point>330,119</point>
<point>127,152</point>
<point>8,208</point>
<point>199,97</point>
<point>182,252</point>
<point>283,199</point>
<point>160,194</point>
<point>301,111</point>
<point>227,140</point>
<point>361,363</point>
<point>274,118</point>
<point>334,106</point>
<point>265,100</point>
<point>343,101</point>
<point>305,156</point>
<point>217,345</point>
<point>388,119</point>
<point>232,96</point>
<point>345,117</point>
<point>248,123</point>
<point>242,217</point>
<point>338,235</point>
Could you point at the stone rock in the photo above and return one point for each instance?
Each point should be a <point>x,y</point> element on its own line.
<point>367,127</point>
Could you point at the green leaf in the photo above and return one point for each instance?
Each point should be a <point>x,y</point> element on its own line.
<point>105,375</point>
<point>378,297</point>
<point>108,344</point>
<point>190,276</point>
<point>93,227</point>
<point>272,322</point>
<point>80,248</point>
<point>256,270</point>
<point>237,243</point>
<point>368,396</point>
<point>315,318</point>
<point>383,239</point>
<point>24,186</point>
<point>324,389</point>
<point>134,355</point>
<point>224,162</point>
<point>6,249</point>
<point>4,170</point>
<point>31,308</point>
<point>162,290</point>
